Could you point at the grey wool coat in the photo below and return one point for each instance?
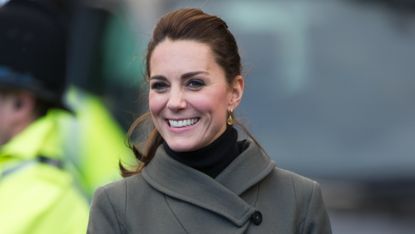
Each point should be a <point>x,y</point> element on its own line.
<point>251,195</point>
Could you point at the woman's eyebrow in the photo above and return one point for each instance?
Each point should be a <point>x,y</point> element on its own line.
<point>191,74</point>
<point>158,77</point>
<point>184,76</point>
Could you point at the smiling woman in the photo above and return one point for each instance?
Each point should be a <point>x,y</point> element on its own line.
<point>193,175</point>
<point>189,104</point>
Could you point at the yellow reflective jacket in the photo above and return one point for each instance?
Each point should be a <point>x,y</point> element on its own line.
<point>94,142</point>
<point>36,195</point>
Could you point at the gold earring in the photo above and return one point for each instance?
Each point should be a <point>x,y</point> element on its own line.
<point>230,120</point>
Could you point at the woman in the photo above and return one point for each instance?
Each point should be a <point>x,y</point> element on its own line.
<point>194,176</point>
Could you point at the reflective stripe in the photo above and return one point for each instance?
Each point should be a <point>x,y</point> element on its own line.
<point>20,166</point>
<point>39,159</point>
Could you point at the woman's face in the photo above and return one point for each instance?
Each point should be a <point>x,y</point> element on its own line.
<point>189,96</point>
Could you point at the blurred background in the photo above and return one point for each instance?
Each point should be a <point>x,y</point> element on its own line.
<point>330,90</point>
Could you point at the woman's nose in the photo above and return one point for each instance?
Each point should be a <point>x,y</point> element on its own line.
<point>176,100</point>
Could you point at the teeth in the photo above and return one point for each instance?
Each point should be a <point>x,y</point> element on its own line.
<point>182,123</point>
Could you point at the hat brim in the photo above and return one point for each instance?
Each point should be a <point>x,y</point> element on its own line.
<point>8,82</point>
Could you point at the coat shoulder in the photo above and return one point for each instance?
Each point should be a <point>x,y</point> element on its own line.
<point>298,181</point>
<point>291,186</point>
<point>303,197</point>
<point>119,190</point>
<point>108,213</point>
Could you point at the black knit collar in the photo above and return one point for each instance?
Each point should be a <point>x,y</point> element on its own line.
<point>213,158</point>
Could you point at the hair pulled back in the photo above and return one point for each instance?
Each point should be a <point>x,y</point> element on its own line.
<point>185,24</point>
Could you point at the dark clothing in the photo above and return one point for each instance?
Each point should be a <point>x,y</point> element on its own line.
<point>213,158</point>
<point>250,195</point>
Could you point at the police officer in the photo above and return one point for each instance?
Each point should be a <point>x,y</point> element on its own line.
<point>36,194</point>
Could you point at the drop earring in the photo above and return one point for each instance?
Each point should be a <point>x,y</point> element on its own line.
<point>230,120</point>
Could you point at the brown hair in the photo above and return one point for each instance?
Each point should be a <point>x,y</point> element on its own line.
<point>186,24</point>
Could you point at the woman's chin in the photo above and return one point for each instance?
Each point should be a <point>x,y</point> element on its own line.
<point>184,145</point>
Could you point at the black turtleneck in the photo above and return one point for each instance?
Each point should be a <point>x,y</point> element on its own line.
<point>214,158</point>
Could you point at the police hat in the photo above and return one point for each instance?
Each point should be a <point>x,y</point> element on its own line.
<point>33,49</point>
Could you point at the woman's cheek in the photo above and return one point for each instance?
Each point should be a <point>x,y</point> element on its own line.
<point>155,102</point>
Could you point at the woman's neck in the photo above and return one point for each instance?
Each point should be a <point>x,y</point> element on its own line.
<point>212,159</point>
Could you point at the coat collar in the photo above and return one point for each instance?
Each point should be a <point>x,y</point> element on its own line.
<point>220,195</point>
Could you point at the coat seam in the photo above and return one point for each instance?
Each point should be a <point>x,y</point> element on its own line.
<point>306,211</point>
<point>115,212</point>
<point>309,204</point>
<point>302,218</point>
<point>125,206</point>
<point>174,214</point>
<point>257,194</point>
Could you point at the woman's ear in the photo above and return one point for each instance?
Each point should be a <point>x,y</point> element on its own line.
<point>237,92</point>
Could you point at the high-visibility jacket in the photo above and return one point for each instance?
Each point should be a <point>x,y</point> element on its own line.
<point>37,195</point>
<point>94,143</point>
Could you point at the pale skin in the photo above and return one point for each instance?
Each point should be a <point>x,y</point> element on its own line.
<point>189,97</point>
<point>16,113</point>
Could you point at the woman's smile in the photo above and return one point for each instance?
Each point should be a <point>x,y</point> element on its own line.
<point>181,123</point>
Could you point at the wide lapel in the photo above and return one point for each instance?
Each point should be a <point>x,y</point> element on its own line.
<point>187,184</point>
<point>246,170</point>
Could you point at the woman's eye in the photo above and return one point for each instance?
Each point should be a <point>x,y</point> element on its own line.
<point>158,86</point>
<point>195,84</point>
